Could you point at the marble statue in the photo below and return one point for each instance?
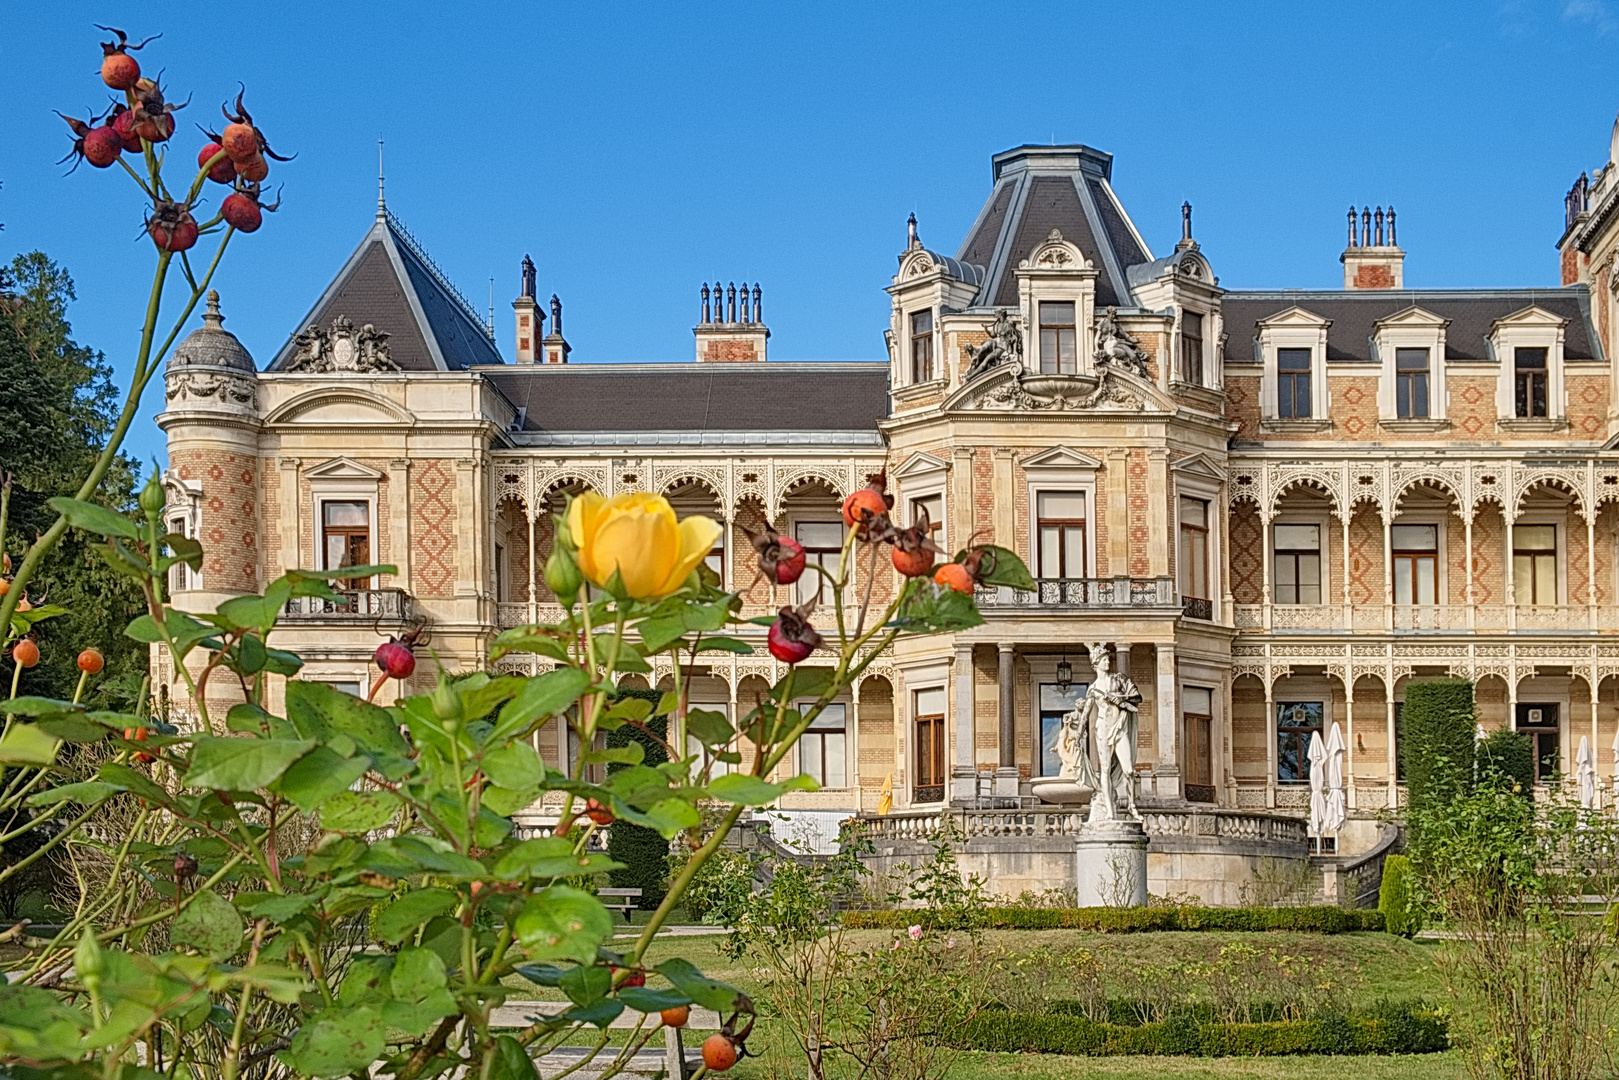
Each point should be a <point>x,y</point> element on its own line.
<point>1117,347</point>
<point>1106,717</point>
<point>1004,345</point>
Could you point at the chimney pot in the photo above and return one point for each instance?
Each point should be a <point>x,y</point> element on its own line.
<point>745,316</point>
<point>1392,241</point>
<point>705,302</point>
<point>758,309</point>
<point>730,304</point>
<point>911,238</point>
<point>1186,220</point>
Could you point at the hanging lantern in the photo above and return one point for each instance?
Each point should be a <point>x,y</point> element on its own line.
<point>1065,674</point>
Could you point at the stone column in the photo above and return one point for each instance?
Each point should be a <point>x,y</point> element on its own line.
<point>1166,769</point>
<point>291,515</point>
<point>399,519</point>
<point>1006,775</point>
<point>1005,513</point>
<point>1160,516</point>
<point>1117,479</point>
<point>467,582</point>
<point>964,777</point>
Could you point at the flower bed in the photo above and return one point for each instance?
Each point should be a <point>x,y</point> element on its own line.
<point>1404,1028</point>
<point>1319,920</point>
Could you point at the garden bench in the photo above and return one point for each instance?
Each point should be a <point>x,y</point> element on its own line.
<point>623,900</point>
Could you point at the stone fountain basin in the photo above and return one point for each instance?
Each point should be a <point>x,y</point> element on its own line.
<point>1061,790</point>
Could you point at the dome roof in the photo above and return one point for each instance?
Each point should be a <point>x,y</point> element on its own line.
<point>211,344</point>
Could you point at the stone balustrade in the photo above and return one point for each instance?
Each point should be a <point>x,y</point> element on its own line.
<point>921,825</point>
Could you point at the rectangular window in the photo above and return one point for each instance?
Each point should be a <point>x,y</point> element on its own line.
<point>933,506</point>
<point>1194,558</point>
<point>823,543</point>
<point>821,748</point>
<point>1296,721</point>
<point>716,557</point>
<point>1062,534</point>
<point>922,346</point>
<point>180,576</point>
<point>1529,382</point>
<point>502,581</point>
<point>1538,720</point>
<point>1055,702</point>
<point>1192,347</point>
<point>1410,383</point>
<point>346,536</point>
<point>1197,718</point>
<point>1416,563</point>
<point>1534,564</point>
<point>1297,577</point>
<point>1057,353</point>
<point>928,706</point>
<point>1293,384</point>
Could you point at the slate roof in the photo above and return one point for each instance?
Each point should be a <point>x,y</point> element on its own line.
<point>390,282</point>
<point>696,398</point>
<point>1354,315</point>
<point>1040,188</point>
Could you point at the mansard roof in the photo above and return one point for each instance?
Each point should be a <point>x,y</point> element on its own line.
<point>1040,188</point>
<point>1354,316</point>
<point>697,400</point>
<point>391,282</point>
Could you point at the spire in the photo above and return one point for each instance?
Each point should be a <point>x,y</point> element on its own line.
<point>211,318</point>
<point>382,203</point>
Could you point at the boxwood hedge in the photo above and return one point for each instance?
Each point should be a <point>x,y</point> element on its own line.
<point>1319,920</point>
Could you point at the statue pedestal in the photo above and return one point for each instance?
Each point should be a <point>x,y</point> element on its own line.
<point>1110,864</point>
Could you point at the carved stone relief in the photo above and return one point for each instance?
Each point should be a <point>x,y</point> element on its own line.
<point>342,347</point>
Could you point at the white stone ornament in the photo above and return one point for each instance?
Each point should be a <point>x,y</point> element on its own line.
<point>343,347</point>
<point>1109,712</point>
<point>1585,775</point>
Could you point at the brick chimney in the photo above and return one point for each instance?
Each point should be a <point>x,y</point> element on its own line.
<point>732,328</point>
<point>554,347</point>
<point>529,318</point>
<point>1369,262</point>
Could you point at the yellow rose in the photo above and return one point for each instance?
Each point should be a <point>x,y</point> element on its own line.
<point>637,536</point>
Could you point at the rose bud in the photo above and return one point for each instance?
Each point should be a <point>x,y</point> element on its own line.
<point>914,550</point>
<point>867,509</point>
<point>792,638</point>
<point>781,558</point>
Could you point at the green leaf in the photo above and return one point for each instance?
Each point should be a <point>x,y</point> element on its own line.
<point>257,612</point>
<point>337,1042</point>
<point>249,719</point>
<point>313,706</point>
<point>550,856</point>
<point>37,1025</point>
<point>524,640</point>
<point>277,907</point>
<point>1001,566</point>
<point>344,573</point>
<point>933,609</point>
<point>490,830</point>
<point>400,919</point>
<point>242,764</point>
<point>630,709</point>
<point>209,924</point>
<point>416,973</point>
<point>541,974</point>
<point>281,662</point>
<point>184,549</point>
<point>752,791</point>
<point>38,706</point>
<point>807,682</point>
<point>74,728</point>
<point>87,793</point>
<point>93,518</point>
<point>647,1000</point>
<point>431,853</point>
<point>600,1015</point>
<point>586,984</point>
<point>703,990</point>
<point>251,655</point>
<point>542,696</point>
<point>358,811</point>
<point>719,643</point>
<point>563,923</point>
<point>629,754</point>
<point>185,630</point>
<point>26,744</point>
<point>510,1061</point>
<point>668,817</point>
<point>709,727</point>
<point>319,775</point>
<point>133,781</point>
<point>516,765</point>
<point>659,633</point>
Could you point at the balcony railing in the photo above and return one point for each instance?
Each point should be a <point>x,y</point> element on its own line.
<point>1115,592</point>
<point>1427,618</point>
<point>352,605</point>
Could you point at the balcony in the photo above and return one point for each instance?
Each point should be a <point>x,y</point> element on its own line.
<point>1428,618</point>
<point>1081,594</point>
<point>357,606</point>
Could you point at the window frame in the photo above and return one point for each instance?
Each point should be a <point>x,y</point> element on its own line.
<point>1290,379</point>
<point>1538,732</point>
<point>1191,346</point>
<point>1062,525</point>
<point>1413,556</point>
<point>814,737</point>
<point>935,772</point>
<point>1198,732</point>
<point>1303,740</point>
<point>1537,375</point>
<point>816,555</point>
<point>1181,559</point>
<point>1555,556</point>
<point>1322,582</point>
<point>327,533</point>
<point>1406,384</point>
<point>1058,340</point>
<point>922,351</point>
<point>1076,691</point>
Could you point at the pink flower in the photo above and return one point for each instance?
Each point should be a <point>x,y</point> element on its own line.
<point>915,932</point>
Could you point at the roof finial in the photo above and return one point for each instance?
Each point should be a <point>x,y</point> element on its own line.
<point>911,239</point>
<point>491,306</point>
<point>1186,220</point>
<point>211,318</point>
<point>382,203</point>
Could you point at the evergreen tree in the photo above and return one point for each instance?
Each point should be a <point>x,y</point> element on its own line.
<point>57,405</point>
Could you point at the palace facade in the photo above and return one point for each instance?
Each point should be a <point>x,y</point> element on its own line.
<point>1279,506</point>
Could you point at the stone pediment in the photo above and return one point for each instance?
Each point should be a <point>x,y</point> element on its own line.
<point>920,465</point>
<point>1008,388</point>
<point>1060,457</point>
<point>343,468</point>
<point>1412,317</point>
<point>1199,465</point>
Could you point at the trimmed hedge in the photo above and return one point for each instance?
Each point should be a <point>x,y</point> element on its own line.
<point>1436,748</point>
<point>644,852</point>
<point>1508,758</point>
<point>1106,920</point>
<point>1405,1028</point>
<point>1394,899</point>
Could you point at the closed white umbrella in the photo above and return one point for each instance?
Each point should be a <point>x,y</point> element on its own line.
<point>1318,784</point>
<point>1337,804</point>
<point>1585,775</point>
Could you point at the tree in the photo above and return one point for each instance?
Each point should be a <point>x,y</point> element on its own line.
<point>58,408</point>
<point>1438,747</point>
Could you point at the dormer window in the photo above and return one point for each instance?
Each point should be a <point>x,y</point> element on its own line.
<point>922,346</point>
<point>1411,384</point>
<point>1529,382</point>
<point>1057,337</point>
<point>1293,384</point>
<point>1192,347</point>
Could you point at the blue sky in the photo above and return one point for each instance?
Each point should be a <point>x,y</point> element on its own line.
<point>636,150</point>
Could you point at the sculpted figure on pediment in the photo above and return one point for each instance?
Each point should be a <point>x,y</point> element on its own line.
<point>1005,346</point>
<point>343,347</point>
